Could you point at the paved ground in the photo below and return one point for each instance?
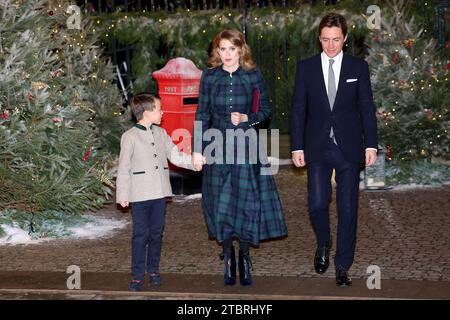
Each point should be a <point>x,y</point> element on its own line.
<point>113,285</point>
<point>405,233</point>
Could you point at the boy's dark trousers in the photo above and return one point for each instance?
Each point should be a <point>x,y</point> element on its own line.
<point>148,226</point>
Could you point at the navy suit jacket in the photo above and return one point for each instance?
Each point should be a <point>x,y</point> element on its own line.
<point>353,117</point>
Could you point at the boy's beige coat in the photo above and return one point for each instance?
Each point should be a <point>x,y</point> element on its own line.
<point>143,172</point>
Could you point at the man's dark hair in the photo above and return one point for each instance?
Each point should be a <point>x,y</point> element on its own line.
<point>333,20</point>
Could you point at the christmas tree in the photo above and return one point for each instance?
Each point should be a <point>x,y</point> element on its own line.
<point>60,113</point>
<point>411,87</point>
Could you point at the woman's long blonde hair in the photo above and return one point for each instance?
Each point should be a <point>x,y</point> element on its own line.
<point>237,39</point>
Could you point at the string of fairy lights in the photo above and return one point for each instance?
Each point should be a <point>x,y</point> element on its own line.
<point>415,86</point>
<point>75,39</point>
<point>421,85</point>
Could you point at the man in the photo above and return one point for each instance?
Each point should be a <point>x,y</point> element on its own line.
<point>333,126</point>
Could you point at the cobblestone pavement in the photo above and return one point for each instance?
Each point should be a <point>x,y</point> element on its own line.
<point>405,233</point>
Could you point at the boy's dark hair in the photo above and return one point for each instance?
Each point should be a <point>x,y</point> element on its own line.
<point>141,102</point>
<point>333,20</point>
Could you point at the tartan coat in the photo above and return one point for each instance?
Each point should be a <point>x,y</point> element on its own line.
<point>238,202</point>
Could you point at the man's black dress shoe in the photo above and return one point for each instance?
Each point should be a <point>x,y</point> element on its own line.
<point>342,278</point>
<point>322,259</point>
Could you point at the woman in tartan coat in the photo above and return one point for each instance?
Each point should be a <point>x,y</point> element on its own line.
<point>239,196</point>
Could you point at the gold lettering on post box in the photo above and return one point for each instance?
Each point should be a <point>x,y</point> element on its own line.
<point>170,89</point>
<point>191,89</point>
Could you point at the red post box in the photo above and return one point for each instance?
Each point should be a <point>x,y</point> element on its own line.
<point>178,87</point>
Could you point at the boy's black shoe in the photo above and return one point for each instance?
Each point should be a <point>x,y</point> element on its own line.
<point>135,285</point>
<point>154,279</point>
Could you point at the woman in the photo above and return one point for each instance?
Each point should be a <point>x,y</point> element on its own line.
<point>240,202</point>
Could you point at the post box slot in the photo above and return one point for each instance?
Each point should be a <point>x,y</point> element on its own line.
<point>190,100</point>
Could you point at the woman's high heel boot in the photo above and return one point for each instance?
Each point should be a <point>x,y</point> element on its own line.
<point>245,268</point>
<point>229,274</point>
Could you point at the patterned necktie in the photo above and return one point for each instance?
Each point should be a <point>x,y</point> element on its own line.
<point>331,92</point>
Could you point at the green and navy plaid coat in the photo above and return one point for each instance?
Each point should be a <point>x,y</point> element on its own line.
<point>238,202</point>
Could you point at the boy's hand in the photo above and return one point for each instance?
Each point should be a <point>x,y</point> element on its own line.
<point>197,161</point>
<point>124,204</point>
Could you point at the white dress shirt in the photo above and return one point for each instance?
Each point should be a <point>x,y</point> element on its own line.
<point>336,68</point>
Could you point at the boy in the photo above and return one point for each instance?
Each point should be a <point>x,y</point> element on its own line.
<point>143,181</point>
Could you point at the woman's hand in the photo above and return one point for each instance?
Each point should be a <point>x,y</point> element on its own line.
<point>237,118</point>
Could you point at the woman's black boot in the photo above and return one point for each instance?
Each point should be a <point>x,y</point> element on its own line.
<point>245,268</point>
<point>229,274</point>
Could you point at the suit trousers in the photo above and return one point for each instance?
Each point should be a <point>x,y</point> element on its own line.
<point>146,242</point>
<point>319,198</point>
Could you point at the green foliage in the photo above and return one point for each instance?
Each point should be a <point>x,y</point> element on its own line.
<point>59,113</point>
<point>411,87</point>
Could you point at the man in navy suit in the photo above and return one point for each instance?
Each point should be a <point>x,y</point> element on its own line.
<point>333,127</point>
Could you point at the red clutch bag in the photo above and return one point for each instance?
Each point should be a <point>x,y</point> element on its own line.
<point>255,100</point>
